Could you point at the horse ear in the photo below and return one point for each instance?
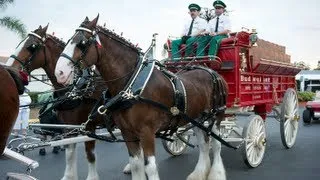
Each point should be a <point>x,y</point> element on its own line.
<point>45,28</point>
<point>40,27</point>
<point>86,19</point>
<point>94,21</point>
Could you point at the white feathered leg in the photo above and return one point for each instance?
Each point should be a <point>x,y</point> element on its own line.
<point>92,171</point>
<point>137,166</point>
<point>151,168</point>
<point>202,168</point>
<point>217,171</point>
<point>71,172</point>
<point>127,169</point>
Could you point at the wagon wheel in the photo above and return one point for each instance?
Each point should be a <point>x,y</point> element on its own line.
<point>289,118</point>
<point>254,146</point>
<point>176,147</point>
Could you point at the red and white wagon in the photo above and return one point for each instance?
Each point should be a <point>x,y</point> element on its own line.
<point>261,80</point>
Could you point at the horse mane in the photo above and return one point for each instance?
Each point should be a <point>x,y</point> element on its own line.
<point>119,38</point>
<point>17,79</point>
<point>56,39</point>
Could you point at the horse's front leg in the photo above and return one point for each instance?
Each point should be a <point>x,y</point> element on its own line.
<point>217,171</point>
<point>92,164</point>
<point>71,172</point>
<point>202,168</point>
<point>148,145</point>
<point>136,158</point>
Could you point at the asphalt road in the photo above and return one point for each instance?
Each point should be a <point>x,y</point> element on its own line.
<point>300,162</point>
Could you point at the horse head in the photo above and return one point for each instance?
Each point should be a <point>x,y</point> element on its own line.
<point>29,49</point>
<point>114,56</point>
<point>37,50</point>
<point>79,47</point>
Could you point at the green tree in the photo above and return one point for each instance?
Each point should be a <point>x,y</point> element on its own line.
<point>11,23</point>
<point>302,65</point>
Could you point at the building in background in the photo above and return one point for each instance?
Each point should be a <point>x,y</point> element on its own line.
<point>308,80</point>
<point>34,84</point>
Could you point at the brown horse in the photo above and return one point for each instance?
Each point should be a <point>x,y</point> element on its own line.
<point>10,88</point>
<point>41,50</point>
<point>117,59</point>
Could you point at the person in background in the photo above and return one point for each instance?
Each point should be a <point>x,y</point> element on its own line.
<point>47,115</point>
<point>23,116</point>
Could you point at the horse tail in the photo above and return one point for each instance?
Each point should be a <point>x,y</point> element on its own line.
<point>17,79</point>
<point>222,98</point>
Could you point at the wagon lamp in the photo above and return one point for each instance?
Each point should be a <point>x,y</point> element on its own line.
<point>253,38</point>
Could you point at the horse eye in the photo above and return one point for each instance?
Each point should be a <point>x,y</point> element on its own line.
<point>32,48</point>
<point>81,45</point>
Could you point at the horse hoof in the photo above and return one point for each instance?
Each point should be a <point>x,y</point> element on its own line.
<point>69,178</point>
<point>197,176</point>
<point>42,152</point>
<point>127,169</point>
<point>217,175</point>
<point>93,178</point>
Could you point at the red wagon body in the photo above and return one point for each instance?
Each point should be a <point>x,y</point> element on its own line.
<point>252,80</point>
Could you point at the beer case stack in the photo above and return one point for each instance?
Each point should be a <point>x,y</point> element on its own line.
<point>269,51</point>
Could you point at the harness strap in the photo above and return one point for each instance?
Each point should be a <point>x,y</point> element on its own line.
<point>17,59</point>
<point>106,138</point>
<point>186,117</point>
<point>69,58</point>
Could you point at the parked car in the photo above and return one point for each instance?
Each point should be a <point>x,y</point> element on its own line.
<point>312,111</point>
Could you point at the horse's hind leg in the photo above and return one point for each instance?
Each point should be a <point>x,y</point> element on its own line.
<point>148,145</point>
<point>217,171</point>
<point>71,172</point>
<point>92,165</point>
<point>136,158</point>
<point>202,168</point>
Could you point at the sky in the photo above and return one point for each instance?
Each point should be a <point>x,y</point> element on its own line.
<point>291,23</point>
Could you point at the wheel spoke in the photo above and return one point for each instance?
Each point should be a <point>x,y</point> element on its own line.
<point>289,134</point>
<point>249,145</point>
<point>251,156</point>
<point>294,112</point>
<point>286,132</point>
<point>285,125</point>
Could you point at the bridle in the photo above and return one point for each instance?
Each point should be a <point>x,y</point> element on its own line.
<point>33,49</point>
<point>83,46</point>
